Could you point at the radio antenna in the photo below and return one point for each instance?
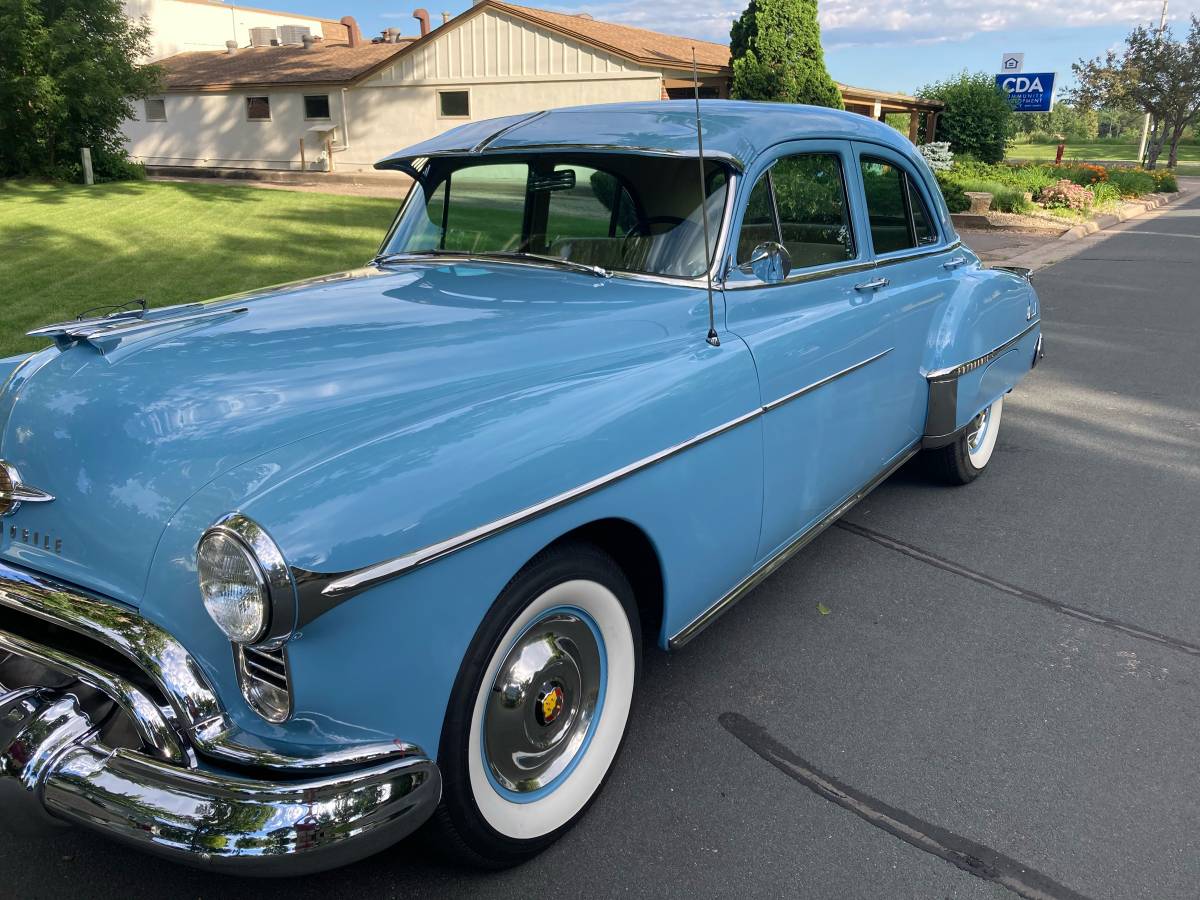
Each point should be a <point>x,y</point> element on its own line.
<point>712,327</point>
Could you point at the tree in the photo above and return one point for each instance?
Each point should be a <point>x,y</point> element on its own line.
<point>976,117</point>
<point>777,55</point>
<point>68,78</point>
<point>1153,73</point>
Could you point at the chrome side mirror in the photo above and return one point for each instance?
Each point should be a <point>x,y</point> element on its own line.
<point>770,263</point>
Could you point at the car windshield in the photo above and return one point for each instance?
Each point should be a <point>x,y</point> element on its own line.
<point>617,212</point>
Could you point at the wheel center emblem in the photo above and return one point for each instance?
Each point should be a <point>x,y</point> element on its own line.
<point>550,705</point>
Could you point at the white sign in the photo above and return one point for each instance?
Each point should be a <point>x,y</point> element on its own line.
<point>1012,62</point>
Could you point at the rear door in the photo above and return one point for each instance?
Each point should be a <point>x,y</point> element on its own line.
<point>820,340</point>
<point>913,252</point>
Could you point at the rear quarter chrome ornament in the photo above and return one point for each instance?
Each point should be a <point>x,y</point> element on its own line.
<point>13,493</point>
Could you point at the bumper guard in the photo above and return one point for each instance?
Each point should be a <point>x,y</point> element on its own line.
<point>266,814</point>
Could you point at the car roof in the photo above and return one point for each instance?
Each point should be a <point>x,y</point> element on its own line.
<point>735,131</point>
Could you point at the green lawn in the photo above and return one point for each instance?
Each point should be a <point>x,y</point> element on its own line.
<point>1100,151</point>
<point>67,247</point>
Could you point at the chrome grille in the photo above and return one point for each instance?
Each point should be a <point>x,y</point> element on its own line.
<point>265,680</point>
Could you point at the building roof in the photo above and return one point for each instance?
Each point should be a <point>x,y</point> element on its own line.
<point>735,131</point>
<point>650,48</point>
<point>326,63</point>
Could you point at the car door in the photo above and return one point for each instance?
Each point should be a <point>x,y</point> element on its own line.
<point>819,339</point>
<point>915,252</point>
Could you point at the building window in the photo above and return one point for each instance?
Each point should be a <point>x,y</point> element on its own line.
<point>258,109</point>
<point>454,104</point>
<point>156,109</point>
<point>316,106</point>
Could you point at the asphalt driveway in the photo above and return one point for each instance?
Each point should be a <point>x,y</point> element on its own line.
<point>1004,695</point>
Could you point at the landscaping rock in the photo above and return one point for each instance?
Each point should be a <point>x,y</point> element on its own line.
<point>981,202</point>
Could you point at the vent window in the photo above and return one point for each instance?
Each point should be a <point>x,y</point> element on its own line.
<point>156,109</point>
<point>454,104</point>
<point>258,109</point>
<point>316,106</point>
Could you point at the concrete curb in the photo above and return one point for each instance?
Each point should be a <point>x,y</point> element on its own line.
<point>1130,209</point>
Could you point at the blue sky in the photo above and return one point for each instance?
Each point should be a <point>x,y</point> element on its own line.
<point>895,45</point>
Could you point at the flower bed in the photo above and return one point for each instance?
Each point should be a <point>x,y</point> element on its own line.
<point>1076,190</point>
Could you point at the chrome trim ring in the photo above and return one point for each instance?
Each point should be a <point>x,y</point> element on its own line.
<point>543,703</point>
<point>273,569</point>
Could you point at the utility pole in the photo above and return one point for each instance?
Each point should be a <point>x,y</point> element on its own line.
<point>1162,24</point>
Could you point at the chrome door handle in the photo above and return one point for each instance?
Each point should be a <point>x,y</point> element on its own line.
<point>955,262</point>
<point>872,285</point>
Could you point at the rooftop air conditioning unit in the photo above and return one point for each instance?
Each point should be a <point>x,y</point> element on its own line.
<point>293,34</point>
<point>262,36</point>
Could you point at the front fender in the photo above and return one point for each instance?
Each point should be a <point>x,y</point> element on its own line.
<point>381,664</point>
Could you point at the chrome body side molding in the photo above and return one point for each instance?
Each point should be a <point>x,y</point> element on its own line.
<point>773,563</point>
<point>319,592</point>
<point>942,412</point>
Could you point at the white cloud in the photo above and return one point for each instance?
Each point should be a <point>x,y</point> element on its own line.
<point>850,23</point>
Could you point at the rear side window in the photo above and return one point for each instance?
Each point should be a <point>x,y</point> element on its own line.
<point>801,204</point>
<point>898,216</point>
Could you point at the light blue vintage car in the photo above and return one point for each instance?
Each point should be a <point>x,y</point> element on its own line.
<point>288,574</point>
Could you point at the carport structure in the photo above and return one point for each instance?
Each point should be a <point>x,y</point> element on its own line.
<point>879,104</point>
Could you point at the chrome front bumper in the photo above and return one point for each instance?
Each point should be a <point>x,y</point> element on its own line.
<point>157,764</point>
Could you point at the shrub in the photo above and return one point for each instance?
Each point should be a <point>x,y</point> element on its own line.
<point>1092,172</point>
<point>976,117</point>
<point>1164,181</point>
<point>938,155</point>
<point>956,200</point>
<point>1105,192</point>
<point>1065,194</point>
<point>1131,182</point>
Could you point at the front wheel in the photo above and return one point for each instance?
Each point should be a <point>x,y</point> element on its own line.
<point>540,707</point>
<point>964,460</point>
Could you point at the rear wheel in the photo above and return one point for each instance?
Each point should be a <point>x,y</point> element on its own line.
<point>964,460</point>
<point>540,707</point>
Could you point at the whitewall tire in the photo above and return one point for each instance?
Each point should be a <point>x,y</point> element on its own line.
<point>964,460</point>
<point>540,707</point>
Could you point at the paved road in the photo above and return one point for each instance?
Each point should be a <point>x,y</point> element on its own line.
<point>1009,674</point>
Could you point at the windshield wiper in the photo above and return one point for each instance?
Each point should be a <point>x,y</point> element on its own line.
<point>598,271</point>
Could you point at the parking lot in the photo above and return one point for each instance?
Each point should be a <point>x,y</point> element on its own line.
<point>1004,694</point>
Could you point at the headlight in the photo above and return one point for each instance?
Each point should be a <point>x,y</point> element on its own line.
<point>234,588</point>
<point>244,582</point>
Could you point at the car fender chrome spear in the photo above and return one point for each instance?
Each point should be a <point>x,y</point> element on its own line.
<point>708,261</point>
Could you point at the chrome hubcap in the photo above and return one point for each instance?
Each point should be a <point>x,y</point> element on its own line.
<point>977,433</point>
<point>543,703</point>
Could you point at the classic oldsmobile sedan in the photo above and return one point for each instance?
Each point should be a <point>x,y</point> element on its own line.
<point>287,575</point>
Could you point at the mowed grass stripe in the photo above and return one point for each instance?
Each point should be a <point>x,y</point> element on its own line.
<point>70,247</point>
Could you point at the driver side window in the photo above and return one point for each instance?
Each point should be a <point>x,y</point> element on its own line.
<point>800,202</point>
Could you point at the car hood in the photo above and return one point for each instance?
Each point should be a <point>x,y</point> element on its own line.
<point>122,431</point>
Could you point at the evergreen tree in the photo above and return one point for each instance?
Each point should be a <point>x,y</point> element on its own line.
<point>777,55</point>
<point>69,73</point>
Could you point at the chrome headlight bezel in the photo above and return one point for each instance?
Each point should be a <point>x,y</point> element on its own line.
<point>272,570</point>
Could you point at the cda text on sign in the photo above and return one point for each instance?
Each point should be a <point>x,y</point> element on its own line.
<point>1031,92</point>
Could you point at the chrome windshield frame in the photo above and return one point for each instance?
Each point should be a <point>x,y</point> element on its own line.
<point>697,282</point>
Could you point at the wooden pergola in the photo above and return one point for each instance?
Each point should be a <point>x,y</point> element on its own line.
<point>879,104</point>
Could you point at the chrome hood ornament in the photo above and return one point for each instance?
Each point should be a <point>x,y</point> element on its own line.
<point>13,493</point>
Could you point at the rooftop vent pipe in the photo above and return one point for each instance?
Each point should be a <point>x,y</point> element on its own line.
<point>390,35</point>
<point>307,41</point>
<point>422,16</point>
<point>445,17</point>
<point>231,47</point>
<point>353,32</point>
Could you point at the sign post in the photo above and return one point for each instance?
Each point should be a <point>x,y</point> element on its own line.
<point>1031,92</point>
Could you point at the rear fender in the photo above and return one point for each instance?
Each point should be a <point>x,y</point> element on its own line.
<point>985,341</point>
